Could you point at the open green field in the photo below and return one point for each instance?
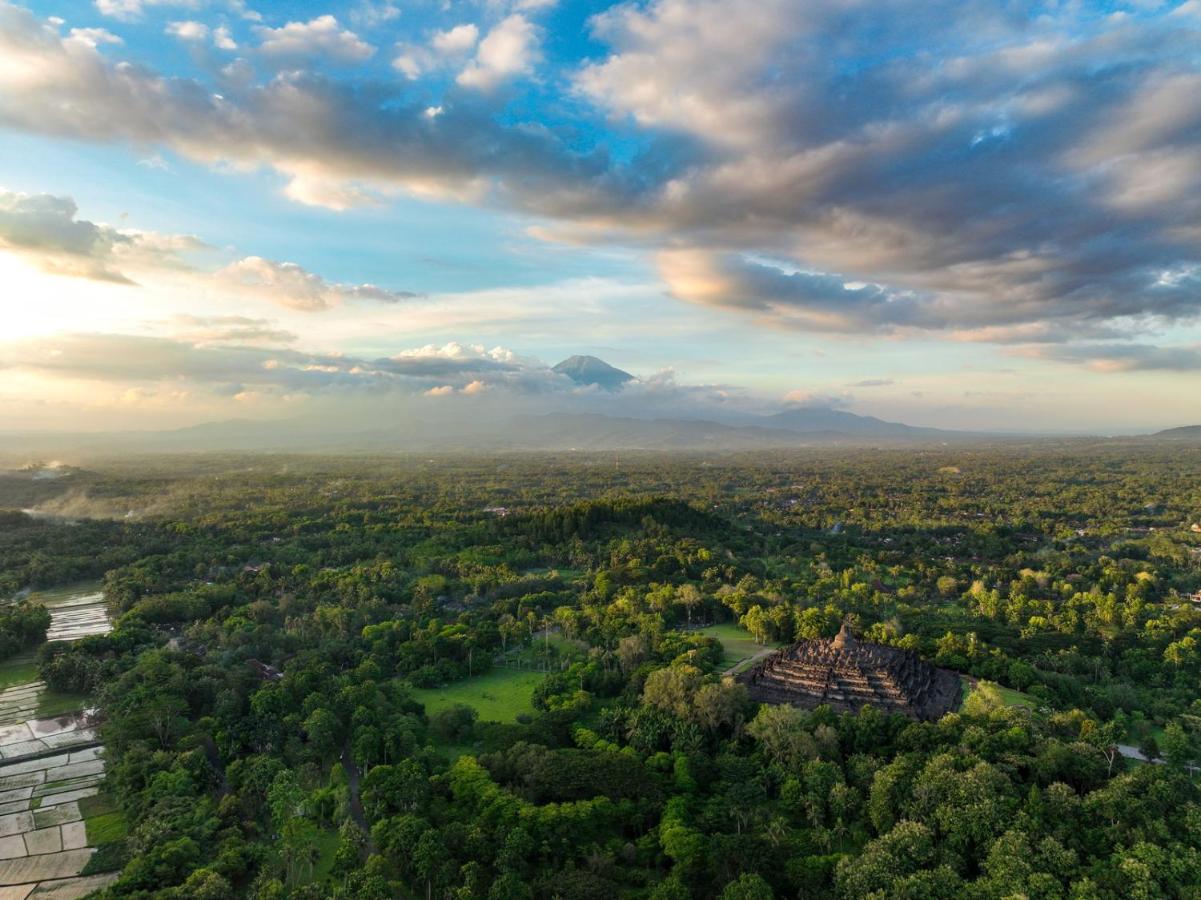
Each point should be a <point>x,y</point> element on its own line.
<point>736,642</point>
<point>105,822</point>
<point>53,703</point>
<point>327,846</point>
<point>52,597</point>
<point>20,669</point>
<point>990,691</point>
<point>500,696</point>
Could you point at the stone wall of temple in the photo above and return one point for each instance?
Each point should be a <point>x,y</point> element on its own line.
<point>847,674</point>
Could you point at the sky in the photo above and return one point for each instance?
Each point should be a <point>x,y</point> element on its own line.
<point>979,215</point>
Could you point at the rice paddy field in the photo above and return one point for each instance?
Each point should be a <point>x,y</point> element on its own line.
<point>53,816</point>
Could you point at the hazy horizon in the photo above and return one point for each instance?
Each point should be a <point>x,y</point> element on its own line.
<point>967,217</point>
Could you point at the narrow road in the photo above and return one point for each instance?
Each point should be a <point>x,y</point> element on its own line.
<point>1134,753</point>
<point>356,803</point>
<point>749,661</point>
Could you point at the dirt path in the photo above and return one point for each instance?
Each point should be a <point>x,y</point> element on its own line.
<point>744,664</point>
<point>356,802</point>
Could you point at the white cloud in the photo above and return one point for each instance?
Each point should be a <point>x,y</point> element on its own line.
<point>409,64</point>
<point>131,10</point>
<point>321,37</point>
<point>509,49</point>
<point>227,330</point>
<point>371,15</point>
<point>188,31</point>
<point>292,286</point>
<point>93,37</point>
<point>459,39</point>
<point>445,48</point>
<point>223,40</point>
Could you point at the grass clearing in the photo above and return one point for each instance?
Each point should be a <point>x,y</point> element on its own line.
<point>19,669</point>
<point>499,696</point>
<point>989,693</point>
<point>105,823</point>
<point>55,703</point>
<point>57,596</point>
<point>736,643</point>
<point>327,846</point>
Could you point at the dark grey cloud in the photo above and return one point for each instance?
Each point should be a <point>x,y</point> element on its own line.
<point>1113,357</point>
<point>46,228</point>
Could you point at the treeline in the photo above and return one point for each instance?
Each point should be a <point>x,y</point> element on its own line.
<point>265,739</point>
<point>590,519</point>
<point>22,625</point>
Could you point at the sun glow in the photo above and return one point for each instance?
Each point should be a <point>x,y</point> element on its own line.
<point>37,303</point>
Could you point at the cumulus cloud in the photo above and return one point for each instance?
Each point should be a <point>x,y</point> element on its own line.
<point>1022,181</point>
<point>293,286</point>
<point>332,141</point>
<point>93,37</point>
<point>444,48</point>
<point>804,163</point>
<point>46,229</point>
<point>459,39</point>
<point>223,39</point>
<point>509,49</point>
<point>321,37</point>
<point>188,31</point>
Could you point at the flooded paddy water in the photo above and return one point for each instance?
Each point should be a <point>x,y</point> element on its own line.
<point>48,763</point>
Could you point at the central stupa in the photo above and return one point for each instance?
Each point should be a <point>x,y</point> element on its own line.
<point>848,674</point>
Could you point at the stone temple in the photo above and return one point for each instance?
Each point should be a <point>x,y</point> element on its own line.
<point>847,674</point>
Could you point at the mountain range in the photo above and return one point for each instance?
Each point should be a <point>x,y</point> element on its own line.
<point>1184,433</point>
<point>723,430</point>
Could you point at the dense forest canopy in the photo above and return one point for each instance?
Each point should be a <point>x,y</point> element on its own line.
<point>288,631</point>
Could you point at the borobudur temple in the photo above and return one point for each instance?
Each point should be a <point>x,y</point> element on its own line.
<point>847,674</point>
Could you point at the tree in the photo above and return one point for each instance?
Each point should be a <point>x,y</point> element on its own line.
<point>748,886</point>
<point>782,732</point>
<point>1177,745</point>
<point>672,689</point>
<point>689,597</point>
<point>757,622</point>
<point>718,705</point>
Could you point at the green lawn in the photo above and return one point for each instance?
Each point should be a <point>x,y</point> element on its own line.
<point>499,696</point>
<point>105,823</point>
<point>327,846</point>
<point>23,669</point>
<point>736,643</point>
<point>993,693</point>
<point>20,669</point>
<point>55,703</point>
